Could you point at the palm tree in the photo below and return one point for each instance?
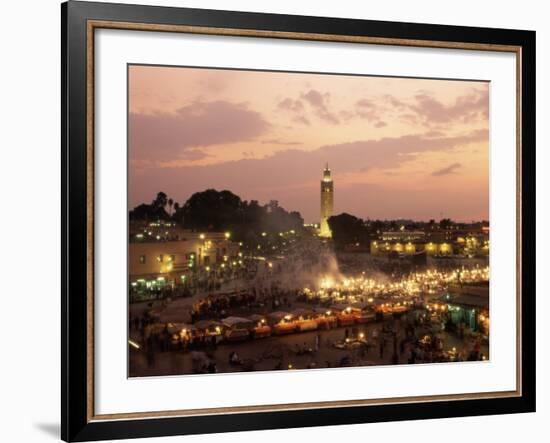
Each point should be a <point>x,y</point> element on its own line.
<point>160,200</point>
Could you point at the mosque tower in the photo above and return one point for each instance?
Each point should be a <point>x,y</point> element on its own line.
<point>327,201</point>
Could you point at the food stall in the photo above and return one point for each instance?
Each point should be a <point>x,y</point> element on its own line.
<point>209,331</point>
<point>181,333</point>
<point>366,312</point>
<point>237,328</point>
<point>304,319</point>
<point>346,314</point>
<point>261,329</point>
<point>383,310</point>
<point>325,318</point>
<point>281,322</point>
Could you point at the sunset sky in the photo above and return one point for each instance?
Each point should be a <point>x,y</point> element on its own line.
<point>397,148</point>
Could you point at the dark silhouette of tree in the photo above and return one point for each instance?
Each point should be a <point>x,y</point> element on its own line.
<point>153,212</point>
<point>148,213</point>
<point>278,219</point>
<point>161,200</point>
<point>224,211</point>
<point>211,210</point>
<point>347,229</point>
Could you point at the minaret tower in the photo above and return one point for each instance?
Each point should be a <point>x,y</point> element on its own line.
<point>327,201</point>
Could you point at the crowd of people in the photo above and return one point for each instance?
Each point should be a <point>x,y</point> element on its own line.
<point>282,283</point>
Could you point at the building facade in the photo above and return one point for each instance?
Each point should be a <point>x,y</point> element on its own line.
<point>150,260</point>
<point>466,243</point>
<point>327,203</point>
<point>381,247</point>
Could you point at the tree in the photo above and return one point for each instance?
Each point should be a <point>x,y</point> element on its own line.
<point>445,223</point>
<point>347,229</point>
<point>148,213</point>
<point>211,209</point>
<point>160,201</point>
<point>278,219</point>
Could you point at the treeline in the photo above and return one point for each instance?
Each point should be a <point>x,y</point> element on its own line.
<point>213,210</point>
<point>348,229</point>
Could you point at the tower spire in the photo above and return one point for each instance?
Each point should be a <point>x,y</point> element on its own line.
<point>327,200</point>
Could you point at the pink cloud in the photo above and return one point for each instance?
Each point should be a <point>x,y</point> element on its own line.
<point>301,119</point>
<point>451,169</point>
<point>273,176</point>
<point>164,136</point>
<point>277,141</point>
<point>290,104</point>
<point>466,108</point>
<point>319,102</point>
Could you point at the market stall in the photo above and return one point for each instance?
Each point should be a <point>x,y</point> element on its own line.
<point>237,328</point>
<point>209,331</point>
<point>261,329</point>
<point>304,319</point>
<point>325,318</point>
<point>346,314</point>
<point>282,322</point>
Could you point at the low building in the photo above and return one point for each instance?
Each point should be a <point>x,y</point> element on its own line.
<point>466,242</point>
<point>469,305</point>
<point>402,235</point>
<point>167,261</point>
<point>380,247</point>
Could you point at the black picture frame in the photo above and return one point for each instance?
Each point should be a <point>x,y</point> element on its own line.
<point>76,424</point>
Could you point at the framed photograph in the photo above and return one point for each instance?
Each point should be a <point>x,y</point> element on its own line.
<point>276,221</point>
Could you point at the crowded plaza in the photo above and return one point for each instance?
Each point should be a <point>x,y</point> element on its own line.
<point>295,308</point>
